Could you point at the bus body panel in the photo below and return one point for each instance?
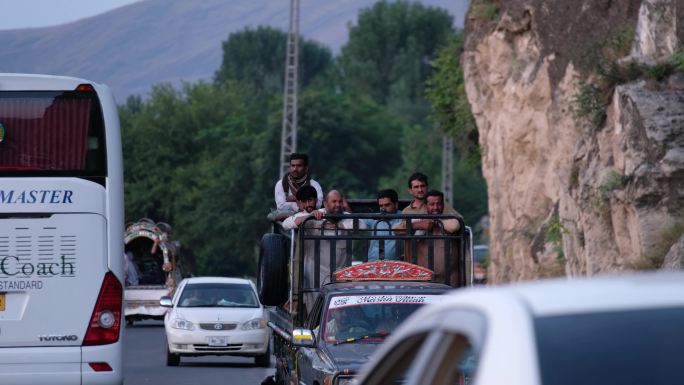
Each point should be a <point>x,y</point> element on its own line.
<point>51,195</point>
<point>87,210</point>
<point>51,271</point>
<point>58,365</point>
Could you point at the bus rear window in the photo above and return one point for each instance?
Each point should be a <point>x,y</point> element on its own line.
<point>51,133</point>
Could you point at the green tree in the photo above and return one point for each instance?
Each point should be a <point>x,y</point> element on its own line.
<point>198,158</point>
<point>451,113</point>
<point>390,48</point>
<point>352,141</point>
<point>257,57</point>
<point>450,106</point>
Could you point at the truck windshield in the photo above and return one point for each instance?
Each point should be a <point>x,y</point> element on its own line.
<point>51,133</point>
<point>611,348</point>
<point>369,317</point>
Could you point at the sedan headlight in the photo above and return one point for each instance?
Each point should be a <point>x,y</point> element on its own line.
<point>180,323</point>
<point>256,323</point>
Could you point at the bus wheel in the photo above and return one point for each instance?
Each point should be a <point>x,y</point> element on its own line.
<point>272,270</point>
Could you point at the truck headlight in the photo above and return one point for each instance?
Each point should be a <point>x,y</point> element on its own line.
<point>347,381</point>
<point>183,324</point>
<point>256,323</point>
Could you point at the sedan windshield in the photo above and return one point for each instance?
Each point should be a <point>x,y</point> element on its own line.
<point>218,295</point>
<point>612,348</point>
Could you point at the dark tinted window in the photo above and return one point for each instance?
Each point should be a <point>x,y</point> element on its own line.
<point>613,348</point>
<point>51,133</point>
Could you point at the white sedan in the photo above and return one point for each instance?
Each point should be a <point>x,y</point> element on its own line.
<point>599,331</point>
<point>216,316</point>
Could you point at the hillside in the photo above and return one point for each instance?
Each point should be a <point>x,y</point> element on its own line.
<point>152,41</point>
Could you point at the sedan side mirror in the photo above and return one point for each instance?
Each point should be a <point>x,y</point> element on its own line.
<point>303,338</point>
<point>165,301</point>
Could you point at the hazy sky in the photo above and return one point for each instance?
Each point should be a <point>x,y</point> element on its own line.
<point>43,13</point>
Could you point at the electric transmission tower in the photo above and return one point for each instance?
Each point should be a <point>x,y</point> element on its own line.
<point>448,168</point>
<point>288,142</point>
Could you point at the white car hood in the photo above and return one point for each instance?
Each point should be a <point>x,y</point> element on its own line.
<point>223,314</point>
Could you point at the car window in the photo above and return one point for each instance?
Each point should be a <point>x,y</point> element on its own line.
<point>611,348</point>
<point>218,295</point>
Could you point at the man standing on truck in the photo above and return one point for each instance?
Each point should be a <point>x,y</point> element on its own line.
<point>333,204</point>
<point>435,205</point>
<point>286,188</point>
<point>306,200</point>
<point>388,202</point>
<point>417,187</point>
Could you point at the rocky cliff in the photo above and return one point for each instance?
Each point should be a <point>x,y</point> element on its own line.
<point>580,112</point>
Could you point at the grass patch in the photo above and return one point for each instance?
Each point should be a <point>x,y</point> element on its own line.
<point>554,235</point>
<point>590,103</point>
<point>653,259</point>
<point>588,106</point>
<point>485,10</point>
<point>678,60</point>
<point>611,182</point>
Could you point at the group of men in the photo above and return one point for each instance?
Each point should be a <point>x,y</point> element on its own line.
<point>299,197</point>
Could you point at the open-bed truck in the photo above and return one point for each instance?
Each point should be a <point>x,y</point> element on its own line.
<point>318,278</point>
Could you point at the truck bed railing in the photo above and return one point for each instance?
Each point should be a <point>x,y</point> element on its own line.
<point>322,247</point>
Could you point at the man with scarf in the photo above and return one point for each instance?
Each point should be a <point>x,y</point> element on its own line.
<point>286,188</point>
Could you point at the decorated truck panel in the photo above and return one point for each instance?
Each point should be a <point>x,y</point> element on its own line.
<point>152,268</point>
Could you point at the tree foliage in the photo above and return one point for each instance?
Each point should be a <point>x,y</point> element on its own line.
<point>390,48</point>
<point>351,138</point>
<point>450,106</point>
<point>257,57</point>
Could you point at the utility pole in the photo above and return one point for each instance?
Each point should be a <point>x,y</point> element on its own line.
<point>288,141</point>
<point>448,169</point>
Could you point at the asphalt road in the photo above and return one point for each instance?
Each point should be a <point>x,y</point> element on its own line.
<point>145,362</point>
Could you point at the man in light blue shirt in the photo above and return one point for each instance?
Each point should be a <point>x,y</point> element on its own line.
<point>388,201</point>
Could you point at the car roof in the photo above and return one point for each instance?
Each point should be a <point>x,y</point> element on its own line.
<point>217,280</point>
<point>628,291</point>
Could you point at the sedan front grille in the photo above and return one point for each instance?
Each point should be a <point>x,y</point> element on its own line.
<point>207,348</point>
<point>217,326</point>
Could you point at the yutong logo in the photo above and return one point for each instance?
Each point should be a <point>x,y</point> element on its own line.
<point>57,337</point>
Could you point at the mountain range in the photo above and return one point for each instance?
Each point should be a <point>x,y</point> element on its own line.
<point>152,41</point>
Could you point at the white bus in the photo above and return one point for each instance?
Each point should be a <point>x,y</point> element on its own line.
<point>61,231</point>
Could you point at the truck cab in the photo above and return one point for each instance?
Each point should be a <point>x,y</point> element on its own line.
<point>330,307</point>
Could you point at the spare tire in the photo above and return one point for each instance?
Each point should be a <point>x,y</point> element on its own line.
<point>272,275</point>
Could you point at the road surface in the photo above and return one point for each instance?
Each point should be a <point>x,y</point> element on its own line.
<point>145,362</point>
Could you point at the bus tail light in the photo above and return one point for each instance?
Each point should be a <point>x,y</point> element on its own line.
<point>105,323</point>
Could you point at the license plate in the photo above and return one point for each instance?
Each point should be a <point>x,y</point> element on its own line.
<point>2,301</point>
<point>217,341</point>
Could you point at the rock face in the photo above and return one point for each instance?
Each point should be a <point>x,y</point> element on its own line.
<point>583,178</point>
